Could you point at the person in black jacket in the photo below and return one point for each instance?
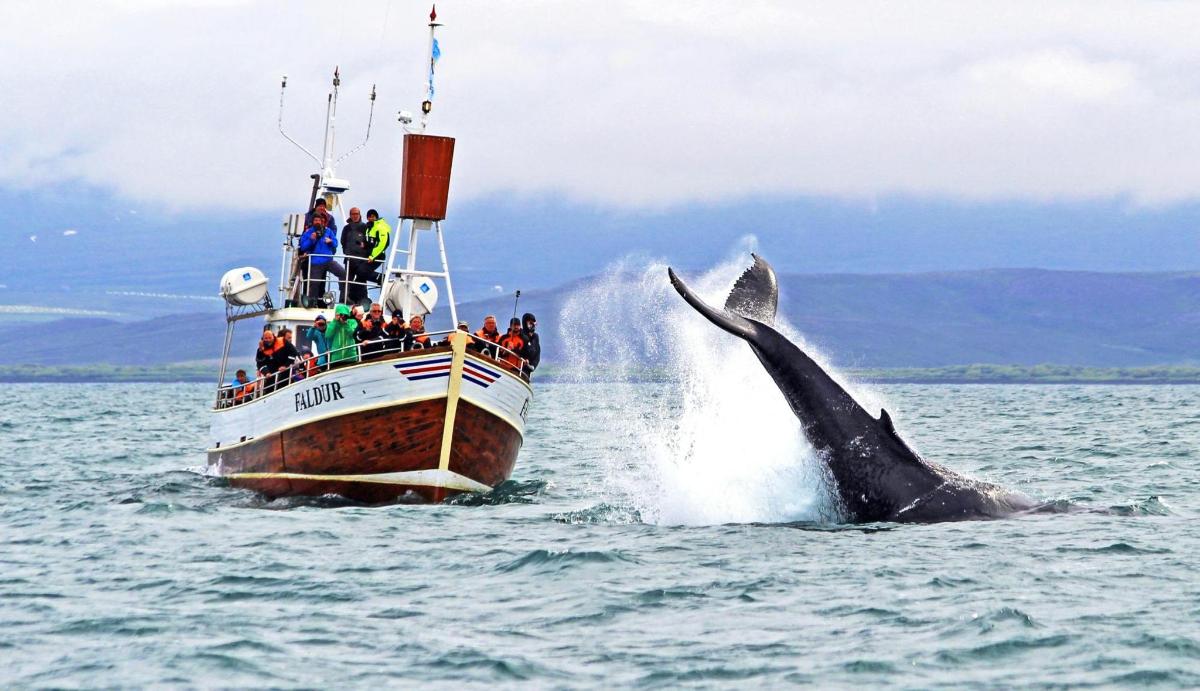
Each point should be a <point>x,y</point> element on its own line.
<point>533,346</point>
<point>370,333</point>
<point>356,249</point>
<point>399,335</point>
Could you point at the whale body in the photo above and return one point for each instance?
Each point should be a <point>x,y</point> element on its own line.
<point>878,476</point>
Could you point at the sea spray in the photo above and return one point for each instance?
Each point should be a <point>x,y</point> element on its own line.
<point>714,441</point>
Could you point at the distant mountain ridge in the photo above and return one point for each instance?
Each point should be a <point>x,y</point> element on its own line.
<point>999,316</point>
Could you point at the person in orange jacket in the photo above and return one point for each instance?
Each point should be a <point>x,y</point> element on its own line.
<point>513,342</point>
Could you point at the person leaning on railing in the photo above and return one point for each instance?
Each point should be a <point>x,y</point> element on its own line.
<point>487,335</point>
<point>343,349</point>
<point>241,386</point>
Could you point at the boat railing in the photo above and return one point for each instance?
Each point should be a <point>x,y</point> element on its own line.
<point>302,279</point>
<point>266,383</point>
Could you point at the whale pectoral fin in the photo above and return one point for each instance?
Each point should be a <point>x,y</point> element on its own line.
<point>755,294</point>
<point>735,324</point>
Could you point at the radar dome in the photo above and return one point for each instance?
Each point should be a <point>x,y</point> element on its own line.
<point>244,286</point>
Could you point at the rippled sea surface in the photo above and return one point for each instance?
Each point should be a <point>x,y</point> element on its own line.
<point>121,564</point>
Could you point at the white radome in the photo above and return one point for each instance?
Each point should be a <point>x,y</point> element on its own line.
<point>244,286</point>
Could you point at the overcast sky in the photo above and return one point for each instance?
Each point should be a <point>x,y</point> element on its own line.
<point>636,105</point>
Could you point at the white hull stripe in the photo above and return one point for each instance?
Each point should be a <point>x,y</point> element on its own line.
<point>417,478</point>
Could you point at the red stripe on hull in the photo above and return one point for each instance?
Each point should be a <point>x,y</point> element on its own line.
<point>400,438</point>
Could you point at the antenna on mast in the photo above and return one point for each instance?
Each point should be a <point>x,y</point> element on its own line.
<point>326,161</point>
<point>370,119</point>
<point>282,91</point>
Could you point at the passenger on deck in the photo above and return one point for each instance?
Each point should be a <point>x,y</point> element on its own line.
<point>488,335</point>
<point>267,348</point>
<point>285,357</point>
<point>399,335</point>
<point>472,343</point>
<point>319,244</point>
<point>319,207</point>
<point>241,386</point>
<point>354,246</point>
<point>533,346</point>
<point>513,342</point>
<point>370,334</point>
<point>378,235</point>
<point>305,367</point>
<point>340,334</point>
<point>417,325</point>
<point>317,336</point>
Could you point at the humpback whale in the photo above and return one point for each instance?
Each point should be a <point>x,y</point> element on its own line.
<point>878,476</point>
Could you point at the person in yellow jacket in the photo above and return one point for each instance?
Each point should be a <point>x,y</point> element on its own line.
<point>379,233</point>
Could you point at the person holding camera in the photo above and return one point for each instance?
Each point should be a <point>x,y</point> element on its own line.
<point>370,333</point>
<point>399,335</point>
<point>340,334</point>
<point>319,244</point>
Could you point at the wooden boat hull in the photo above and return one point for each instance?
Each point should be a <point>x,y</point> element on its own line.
<point>406,443</point>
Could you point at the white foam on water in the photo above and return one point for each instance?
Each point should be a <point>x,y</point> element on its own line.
<point>711,440</point>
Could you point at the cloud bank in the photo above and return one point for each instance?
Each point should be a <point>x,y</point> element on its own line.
<point>621,104</point>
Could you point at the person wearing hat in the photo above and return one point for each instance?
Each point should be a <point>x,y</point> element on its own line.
<point>465,328</point>
<point>319,244</point>
<point>533,346</point>
<point>318,337</point>
<point>343,349</point>
<point>417,326</point>
<point>378,235</point>
<point>513,343</point>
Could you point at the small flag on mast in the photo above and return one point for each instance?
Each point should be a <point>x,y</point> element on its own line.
<point>433,13</point>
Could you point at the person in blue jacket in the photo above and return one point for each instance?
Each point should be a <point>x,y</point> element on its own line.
<point>320,342</point>
<point>320,244</point>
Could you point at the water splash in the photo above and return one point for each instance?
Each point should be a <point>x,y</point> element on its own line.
<point>711,440</point>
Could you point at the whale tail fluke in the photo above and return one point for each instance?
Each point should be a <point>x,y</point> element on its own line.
<point>755,294</point>
<point>733,323</point>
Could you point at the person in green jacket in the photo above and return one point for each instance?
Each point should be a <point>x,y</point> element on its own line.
<point>379,233</point>
<point>340,334</point>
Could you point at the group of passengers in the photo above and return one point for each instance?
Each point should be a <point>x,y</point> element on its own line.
<point>363,243</point>
<point>355,335</point>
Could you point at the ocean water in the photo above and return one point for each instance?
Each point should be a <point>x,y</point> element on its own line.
<point>621,554</point>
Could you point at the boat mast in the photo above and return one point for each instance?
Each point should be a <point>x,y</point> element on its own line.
<point>325,181</point>
<point>423,196</point>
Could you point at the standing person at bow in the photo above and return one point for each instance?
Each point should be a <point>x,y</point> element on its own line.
<point>533,346</point>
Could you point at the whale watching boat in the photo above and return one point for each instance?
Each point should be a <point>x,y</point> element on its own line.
<point>380,421</point>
